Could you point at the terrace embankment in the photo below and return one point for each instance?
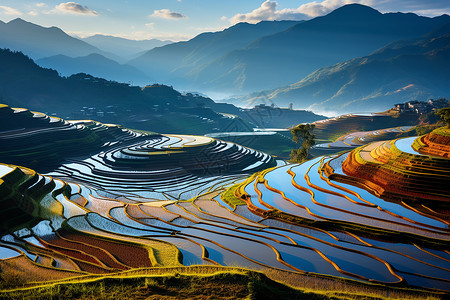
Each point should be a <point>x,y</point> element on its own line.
<point>331,129</point>
<point>342,196</point>
<point>436,143</point>
<point>397,170</point>
<point>21,191</point>
<point>150,202</point>
<point>42,142</point>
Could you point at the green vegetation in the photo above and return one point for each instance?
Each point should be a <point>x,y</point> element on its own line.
<point>157,107</point>
<point>230,198</point>
<point>302,136</point>
<point>423,129</point>
<point>442,131</point>
<point>444,113</point>
<point>248,285</point>
<point>225,284</point>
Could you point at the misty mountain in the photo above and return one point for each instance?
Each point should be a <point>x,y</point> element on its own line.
<point>273,59</point>
<point>124,48</point>
<point>176,62</point>
<point>399,72</point>
<point>350,31</point>
<point>95,65</point>
<point>38,42</point>
<point>24,83</point>
<point>156,107</point>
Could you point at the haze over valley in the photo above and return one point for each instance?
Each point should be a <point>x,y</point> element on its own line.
<point>280,61</point>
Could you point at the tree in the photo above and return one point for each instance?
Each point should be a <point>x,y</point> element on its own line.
<point>304,139</point>
<point>444,113</point>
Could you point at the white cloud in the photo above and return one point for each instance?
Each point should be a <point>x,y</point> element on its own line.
<point>33,13</point>
<point>41,4</point>
<point>167,14</point>
<point>74,8</point>
<point>314,9</point>
<point>6,10</point>
<point>268,11</point>
<point>150,25</point>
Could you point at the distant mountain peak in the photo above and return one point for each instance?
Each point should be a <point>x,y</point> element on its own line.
<point>19,21</point>
<point>355,10</point>
<point>37,41</point>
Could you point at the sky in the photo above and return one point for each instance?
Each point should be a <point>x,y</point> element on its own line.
<point>183,19</point>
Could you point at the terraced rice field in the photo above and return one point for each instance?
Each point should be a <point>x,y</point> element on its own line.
<point>356,139</point>
<point>148,200</point>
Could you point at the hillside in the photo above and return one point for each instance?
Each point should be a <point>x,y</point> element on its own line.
<point>96,65</point>
<point>38,42</point>
<point>177,63</point>
<point>156,107</point>
<point>288,55</point>
<point>350,31</point>
<point>400,71</point>
<point>124,48</point>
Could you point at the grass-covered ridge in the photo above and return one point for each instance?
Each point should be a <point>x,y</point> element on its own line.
<point>203,282</point>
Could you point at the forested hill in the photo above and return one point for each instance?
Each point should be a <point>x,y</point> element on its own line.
<point>156,107</point>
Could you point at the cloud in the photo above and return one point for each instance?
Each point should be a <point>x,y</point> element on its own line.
<point>74,8</point>
<point>41,4</point>
<point>150,25</point>
<point>33,13</point>
<point>167,14</point>
<point>314,9</point>
<point>6,10</point>
<point>268,11</point>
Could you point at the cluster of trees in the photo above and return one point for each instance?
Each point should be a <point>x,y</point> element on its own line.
<point>304,139</point>
<point>444,113</point>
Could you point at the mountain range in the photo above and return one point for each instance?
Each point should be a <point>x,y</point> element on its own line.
<point>354,58</point>
<point>39,42</point>
<point>124,48</point>
<point>269,59</point>
<point>157,107</point>
<point>53,48</point>
<point>98,66</point>
<point>398,72</point>
<point>179,63</point>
